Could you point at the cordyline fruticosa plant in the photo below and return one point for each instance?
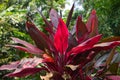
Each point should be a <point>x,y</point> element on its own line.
<point>78,54</point>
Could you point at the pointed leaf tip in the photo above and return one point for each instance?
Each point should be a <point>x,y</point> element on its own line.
<point>26,46</point>
<point>61,37</point>
<point>81,28</point>
<point>25,72</point>
<point>24,67</point>
<point>113,77</point>
<point>70,15</point>
<point>54,17</point>
<point>29,24</point>
<point>41,39</point>
<point>93,11</point>
<point>92,24</point>
<point>88,44</point>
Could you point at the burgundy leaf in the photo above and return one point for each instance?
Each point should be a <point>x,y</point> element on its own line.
<point>24,63</point>
<point>25,72</point>
<point>23,68</point>
<point>92,24</point>
<point>88,44</point>
<point>28,47</point>
<point>29,62</point>
<point>88,78</point>
<point>66,56</point>
<point>81,29</point>
<point>96,49</point>
<point>10,66</point>
<point>50,31</point>
<point>41,40</point>
<point>54,17</point>
<point>72,42</point>
<point>113,77</point>
<point>100,47</point>
<point>83,38</point>
<point>32,51</point>
<point>61,37</point>
<point>106,45</point>
<point>69,16</point>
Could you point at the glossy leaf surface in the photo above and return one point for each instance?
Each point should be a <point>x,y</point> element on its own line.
<point>61,37</point>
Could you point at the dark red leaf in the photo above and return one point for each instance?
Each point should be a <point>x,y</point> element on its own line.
<point>106,45</point>
<point>25,72</point>
<point>88,78</point>
<point>41,40</point>
<point>72,42</point>
<point>69,16</point>
<point>24,63</point>
<point>61,37</point>
<point>32,51</point>
<point>83,38</point>
<point>92,24</point>
<point>10,66</point>
<point>100,47</point>
<point>88,44</point>
<point>81,29</point>
<point>54,17</point>
<point>28,47</point>
<point>24,67</point>
<point>113,77</point>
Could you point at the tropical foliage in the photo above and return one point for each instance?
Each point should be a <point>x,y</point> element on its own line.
<point>75,54</point>
<point>12,23</point>
<point>108,15</point>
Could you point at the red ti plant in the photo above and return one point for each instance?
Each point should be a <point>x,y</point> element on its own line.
<point>66,54</point>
